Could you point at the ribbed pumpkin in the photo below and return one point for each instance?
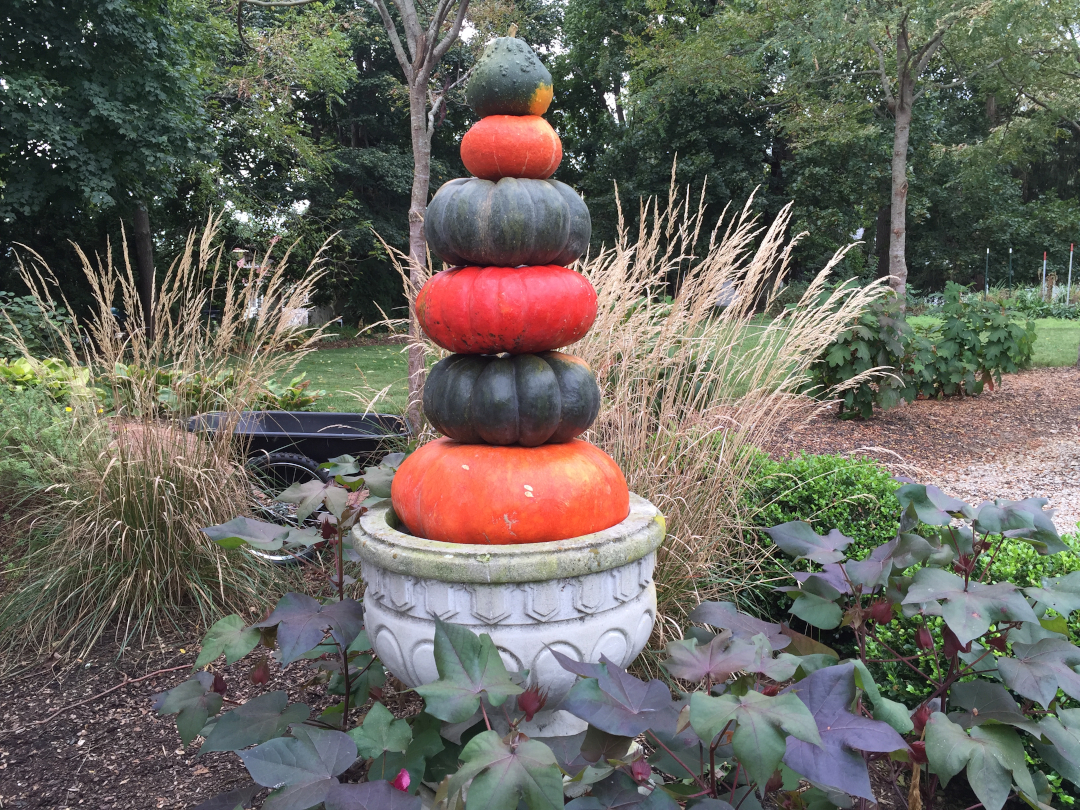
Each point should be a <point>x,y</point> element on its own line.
<point>487,310</point>
<point>476,493</point>
<point>509,79</point>
<point>526,399</point>
<point>508,223</point>
<point>511,146</point>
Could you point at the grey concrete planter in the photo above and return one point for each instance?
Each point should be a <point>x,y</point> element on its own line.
<point>585,597</point>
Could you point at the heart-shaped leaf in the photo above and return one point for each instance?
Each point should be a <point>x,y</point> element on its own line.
<point>828,694</point>
<point>799,540</point>
<point>502,772</point>
<point>193,702</point>
<point>260,719</point>
<point>817,611</point>
<point>229,636</point>
<point>760,727</point>
<point>302,622</point>
<point>469,667</point>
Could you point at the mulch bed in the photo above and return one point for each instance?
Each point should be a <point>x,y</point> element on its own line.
<point>114,753</point>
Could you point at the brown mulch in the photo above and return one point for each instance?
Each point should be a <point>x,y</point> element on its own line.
<point>114,752</point>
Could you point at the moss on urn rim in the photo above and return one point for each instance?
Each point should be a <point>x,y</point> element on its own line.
<point>378,542</point>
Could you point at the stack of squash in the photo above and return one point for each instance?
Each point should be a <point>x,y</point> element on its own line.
<point>511,468</point>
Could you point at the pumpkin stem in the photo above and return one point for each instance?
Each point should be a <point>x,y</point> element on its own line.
<point>512,31</point>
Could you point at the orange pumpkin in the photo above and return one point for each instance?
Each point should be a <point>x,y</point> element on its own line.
<point>523,146</point>
<point>478,493</point>
<point>523,310</point>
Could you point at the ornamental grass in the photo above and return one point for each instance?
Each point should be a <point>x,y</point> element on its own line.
<point>115,546</point>
<point>695,378</point>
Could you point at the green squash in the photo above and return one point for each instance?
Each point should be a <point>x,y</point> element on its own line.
<point>526,399</point>
<point>507,223</point>
<point>509,79</point>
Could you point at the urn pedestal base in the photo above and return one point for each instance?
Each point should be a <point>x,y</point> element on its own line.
<point>584,597</point>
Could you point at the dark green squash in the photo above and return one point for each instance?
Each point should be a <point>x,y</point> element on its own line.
<point>509,79</point>
<point>527,399</point>
<point>506,224</point>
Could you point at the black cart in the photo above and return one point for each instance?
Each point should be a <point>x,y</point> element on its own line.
<point>287,447</point>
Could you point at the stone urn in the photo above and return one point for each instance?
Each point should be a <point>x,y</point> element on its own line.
<point>584,597</point>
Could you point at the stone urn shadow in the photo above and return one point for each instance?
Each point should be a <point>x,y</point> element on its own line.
<point>584,597</point>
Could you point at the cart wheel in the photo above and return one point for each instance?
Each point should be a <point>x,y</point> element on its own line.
<point>271,474</point>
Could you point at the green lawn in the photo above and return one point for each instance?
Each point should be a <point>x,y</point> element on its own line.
<point>352,377</point>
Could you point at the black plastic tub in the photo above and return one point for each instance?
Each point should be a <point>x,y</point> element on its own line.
<point>318,436</point>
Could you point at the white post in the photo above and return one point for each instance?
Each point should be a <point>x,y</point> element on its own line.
<point>1068,287</point>
<point>1043,296</point>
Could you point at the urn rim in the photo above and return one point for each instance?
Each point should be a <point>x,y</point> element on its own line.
<point>378,541</point>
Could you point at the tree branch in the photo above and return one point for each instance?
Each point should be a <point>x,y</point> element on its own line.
<point>958,82</point>
<point>395,40</point>
<point>411,24</point>
<point>440,50</point>
<point>885,86</point>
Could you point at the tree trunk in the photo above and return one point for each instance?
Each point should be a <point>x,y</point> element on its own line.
<point>421,144</point>
<point>898,201</point>
<point>881,240</point>
<point>144,262</point>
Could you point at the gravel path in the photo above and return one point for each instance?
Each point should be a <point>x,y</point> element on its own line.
<point>1021,440</point>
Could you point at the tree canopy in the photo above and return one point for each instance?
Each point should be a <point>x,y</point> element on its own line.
<point>300,127</point>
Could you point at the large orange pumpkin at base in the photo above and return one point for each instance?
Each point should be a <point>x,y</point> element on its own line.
<point>478,493</point>
<point>487,310</point>
<point>511,146</point>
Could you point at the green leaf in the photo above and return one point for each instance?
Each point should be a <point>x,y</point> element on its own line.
<point>500,773</point>
<point>817,611</point>
<point>992,756</point>
<point>1063,752</point>
<point>193,702</point>
<point>799,540</point>
<point>380,732</point>
<point>260,719</point>
<point>1060,593</point>
<point>885,710</point>
<point>245,531</point>
<point>968,610</point>
<point>988,702</point>
<point>303,766</point>
<point>302,623</point>
<point>469,667</point>
<point>1038,670</point>
<point>229,636</point>
<point>933,506</point>
<point>761,725</point>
